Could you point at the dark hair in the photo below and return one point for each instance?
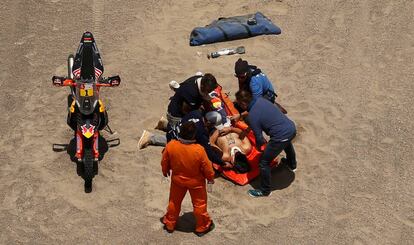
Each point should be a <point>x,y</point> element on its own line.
<point>240,163</point>
<point>208,83</point>
<point>188,131</point>
<point>244,96</point>
<point>241,67</point>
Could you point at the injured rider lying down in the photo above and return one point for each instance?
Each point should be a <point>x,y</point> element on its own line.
<point>230,141</point>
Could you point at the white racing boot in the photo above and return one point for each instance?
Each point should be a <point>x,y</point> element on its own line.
<point>145,139</point>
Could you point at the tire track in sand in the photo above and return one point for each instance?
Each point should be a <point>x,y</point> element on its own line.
<point>98,10</point>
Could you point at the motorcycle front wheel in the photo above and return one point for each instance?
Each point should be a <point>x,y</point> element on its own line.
<point>88,169</point>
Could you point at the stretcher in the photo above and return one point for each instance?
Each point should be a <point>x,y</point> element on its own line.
<point>253,157</point>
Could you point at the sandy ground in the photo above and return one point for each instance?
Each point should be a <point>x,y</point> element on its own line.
<point>343,69</point>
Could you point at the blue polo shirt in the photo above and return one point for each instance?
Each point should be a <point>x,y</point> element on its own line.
<point>266,117</point>
<point>260,86</point>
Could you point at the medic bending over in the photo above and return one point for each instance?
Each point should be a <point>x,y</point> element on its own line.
<point>191,93</point>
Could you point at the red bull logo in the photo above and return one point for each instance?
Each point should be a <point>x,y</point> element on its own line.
<point>217,103</point>
<point>87,132</point>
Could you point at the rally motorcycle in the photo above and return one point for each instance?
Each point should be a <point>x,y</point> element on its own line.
<point>87,115</point>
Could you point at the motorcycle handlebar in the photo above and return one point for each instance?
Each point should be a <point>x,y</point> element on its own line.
<point>62,81</point>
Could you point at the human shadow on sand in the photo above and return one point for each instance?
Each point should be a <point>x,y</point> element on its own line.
<point>186,223</point>
<point>282,177</point>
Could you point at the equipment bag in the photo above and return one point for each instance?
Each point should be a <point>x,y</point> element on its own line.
<point>232,28</point>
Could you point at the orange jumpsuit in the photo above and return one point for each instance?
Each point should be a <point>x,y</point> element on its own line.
<point>190,168</point>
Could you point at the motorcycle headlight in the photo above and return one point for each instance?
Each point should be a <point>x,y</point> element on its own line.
<point>87,104</point>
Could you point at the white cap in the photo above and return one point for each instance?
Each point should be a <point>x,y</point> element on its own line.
<point>174,85</point>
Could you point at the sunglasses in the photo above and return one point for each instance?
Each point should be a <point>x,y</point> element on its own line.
<point>212,94</point>
<point>241,75</point>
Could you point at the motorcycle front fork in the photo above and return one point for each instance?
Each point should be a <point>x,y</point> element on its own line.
<point>80,145</point>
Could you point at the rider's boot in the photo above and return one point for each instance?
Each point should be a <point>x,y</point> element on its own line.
<point>145,139</point>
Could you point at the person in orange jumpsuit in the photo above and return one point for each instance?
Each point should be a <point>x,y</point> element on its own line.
<point>189,167</point>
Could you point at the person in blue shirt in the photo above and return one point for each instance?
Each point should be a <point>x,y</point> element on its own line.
<point>252,79</point>
<point>266,117</point>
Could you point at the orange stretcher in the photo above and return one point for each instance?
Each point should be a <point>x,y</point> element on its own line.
<point>253,157</point>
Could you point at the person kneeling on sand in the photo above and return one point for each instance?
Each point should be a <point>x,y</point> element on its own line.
<point>252,79</point>
<point>231,142</point>
<point>190,93</point>
<point>189,167</point>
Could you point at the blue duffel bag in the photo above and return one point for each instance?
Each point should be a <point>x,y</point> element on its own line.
<point>232,28</point>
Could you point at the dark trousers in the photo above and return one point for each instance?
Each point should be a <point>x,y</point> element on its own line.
<point>272,150</point>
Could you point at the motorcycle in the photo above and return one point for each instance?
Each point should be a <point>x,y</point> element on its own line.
<point>87,115</point>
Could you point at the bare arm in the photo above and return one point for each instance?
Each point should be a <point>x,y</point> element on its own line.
<point>242,133</point>
<point>214,137</point>
<point>239,116</point>
<point>236,130</point>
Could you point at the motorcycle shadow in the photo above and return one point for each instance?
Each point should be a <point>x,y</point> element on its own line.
<point>71,151</point>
